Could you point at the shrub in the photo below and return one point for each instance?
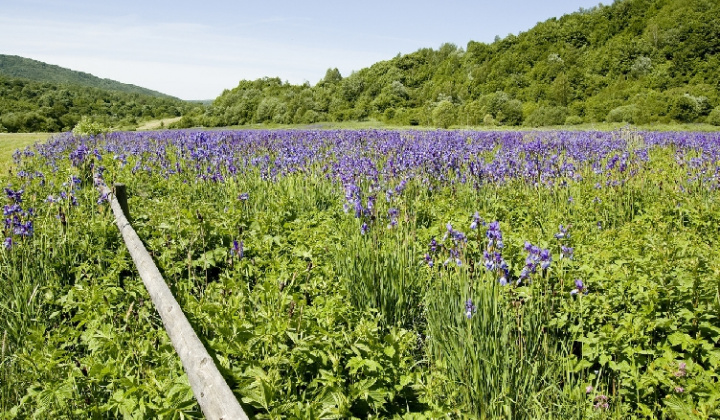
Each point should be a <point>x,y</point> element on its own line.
<point>87,127</point>
<point>685,108</point>
<point>714,117</point>
<point>574,120</point>
<point>444,114</point>
<point>625,113</point>
<point>510,113</point>
<point>547,115</point>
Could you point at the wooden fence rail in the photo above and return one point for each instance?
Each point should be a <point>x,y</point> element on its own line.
<point>211,391</point>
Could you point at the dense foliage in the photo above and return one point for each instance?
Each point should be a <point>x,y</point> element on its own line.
<point>356,273</point>
<point>635,61</point>
<point>29,106</point>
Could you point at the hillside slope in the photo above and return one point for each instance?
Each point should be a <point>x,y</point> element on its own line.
<point>637,61</point>
<point>13,66</point>
<point>30,106</point>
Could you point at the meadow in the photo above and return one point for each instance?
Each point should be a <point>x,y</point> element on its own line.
<point>358,273</point>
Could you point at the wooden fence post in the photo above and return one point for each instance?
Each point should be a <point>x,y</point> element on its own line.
<point>121,195</point>
<point>212,393</point>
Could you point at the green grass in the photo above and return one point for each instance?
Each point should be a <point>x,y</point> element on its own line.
<point>377,124</point>
<point>9,142</point>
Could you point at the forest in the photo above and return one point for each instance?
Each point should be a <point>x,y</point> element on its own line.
<point>29,106</point>
<point>635,61</point>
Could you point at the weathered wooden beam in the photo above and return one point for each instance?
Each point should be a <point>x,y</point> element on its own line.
<point>121,195</point>
<point>211,391</point>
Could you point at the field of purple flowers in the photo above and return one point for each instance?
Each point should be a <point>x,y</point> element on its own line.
<point>338,274</point>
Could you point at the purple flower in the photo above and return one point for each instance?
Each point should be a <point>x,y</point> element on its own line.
<point>23,229</point>
<point>601,402</point>
<point>566,252</point>
<point>679,389</point>
<point>433,245</point>
<point>12,209</point>
<point>563,234</point>
<point>537,257</point>
<point>359,209</point>
<point>470,309</point>
<point>494,235</point>
<point>579,288</point>
<point>371,204</point>
<point>392,214</point>
<point>237,248</point>
<point>15,196</point>
<point>682,366</point>
<point>429,260</point>
<point>364,228</point>
<point>243,196</point>
<point>8,243</point>
<point>476,220</point>
<point>545,259</point>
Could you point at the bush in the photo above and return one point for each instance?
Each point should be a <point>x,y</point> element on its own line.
<point>547,115</point>
<point>573,120</point>
<point>714,117</point>
<point>625,113</point>
<point>510,113</point>
<point>444,114</point>
<point>685,108</point>
<point>87,127</point>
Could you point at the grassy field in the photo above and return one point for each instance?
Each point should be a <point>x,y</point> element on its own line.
<point>9,142</point>
<point>157,124</point>
<point>349,274</point>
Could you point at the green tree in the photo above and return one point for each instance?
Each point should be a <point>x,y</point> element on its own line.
<point>444,114</point>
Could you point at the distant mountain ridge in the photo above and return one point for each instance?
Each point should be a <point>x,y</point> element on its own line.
<point>26,68</point>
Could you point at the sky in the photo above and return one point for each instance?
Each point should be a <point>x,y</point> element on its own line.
<point>195,49</point>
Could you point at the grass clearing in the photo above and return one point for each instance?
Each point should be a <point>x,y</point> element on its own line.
<point>157,124</point>
<point>9,142</point>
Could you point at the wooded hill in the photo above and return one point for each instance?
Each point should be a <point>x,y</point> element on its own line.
<point>637,61</point>
<point>28,106</point>
<point>13,66</point>
<point>60,97</point>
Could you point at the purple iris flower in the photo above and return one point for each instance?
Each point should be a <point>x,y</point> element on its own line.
<point>364,228</point>
<point>238,248</point>
<point>470,309</point>
<point>579,288</point>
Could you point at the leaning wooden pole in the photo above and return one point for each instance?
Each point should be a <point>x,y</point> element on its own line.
<point>211,391</point>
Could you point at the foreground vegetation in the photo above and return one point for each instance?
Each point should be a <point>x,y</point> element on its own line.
<point>353,273</point>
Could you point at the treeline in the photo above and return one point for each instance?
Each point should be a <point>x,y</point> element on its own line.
<point>31,106</point>
<point>635,61</point>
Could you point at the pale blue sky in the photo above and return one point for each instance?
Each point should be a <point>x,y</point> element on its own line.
<point>195,49</point>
